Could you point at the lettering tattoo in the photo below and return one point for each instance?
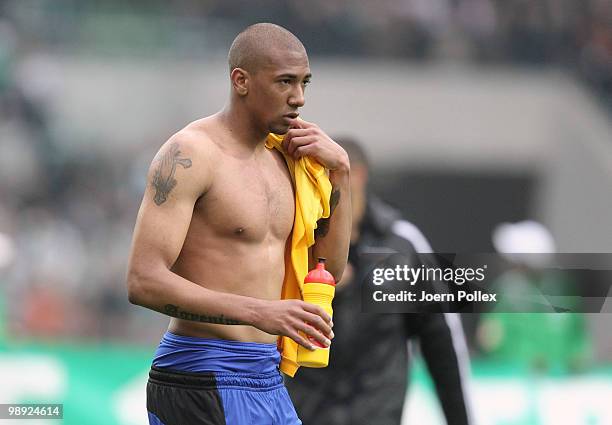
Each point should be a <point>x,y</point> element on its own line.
<point>323,224</point>
<point>175,311</point>
<point>163,180</point>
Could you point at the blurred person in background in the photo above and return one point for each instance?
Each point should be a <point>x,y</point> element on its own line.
<point>366,380</point>
<point>211,237</point>
<point>543,340</point>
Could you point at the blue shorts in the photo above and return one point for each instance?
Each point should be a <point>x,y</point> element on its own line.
<point>197,381</point>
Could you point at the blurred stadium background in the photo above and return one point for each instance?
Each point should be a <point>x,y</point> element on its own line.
<point>474,112</point>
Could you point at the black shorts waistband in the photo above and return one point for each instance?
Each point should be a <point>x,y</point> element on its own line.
<point>199,380</point>
<point>215,380</point>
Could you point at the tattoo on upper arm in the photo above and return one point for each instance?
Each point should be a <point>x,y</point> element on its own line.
<point>175,311</point>
<point>163,178</point>
<point>323,224</point>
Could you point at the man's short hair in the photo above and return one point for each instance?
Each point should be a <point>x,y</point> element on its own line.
<point>250,47</point>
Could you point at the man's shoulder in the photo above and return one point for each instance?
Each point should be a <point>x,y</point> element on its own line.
<point>192,143</point>
<point>189,150</point>
<point>391,225</point>
<point>196,138</point>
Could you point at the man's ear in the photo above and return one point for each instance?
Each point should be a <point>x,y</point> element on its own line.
<point>240,81</point>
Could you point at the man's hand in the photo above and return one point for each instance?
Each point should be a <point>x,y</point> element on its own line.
<point>287,317</point>
<point>307,139</point>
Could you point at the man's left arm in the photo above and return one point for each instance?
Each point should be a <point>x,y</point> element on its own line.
<point>332,236</point>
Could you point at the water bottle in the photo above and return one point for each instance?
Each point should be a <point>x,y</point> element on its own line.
<point>319,289</point>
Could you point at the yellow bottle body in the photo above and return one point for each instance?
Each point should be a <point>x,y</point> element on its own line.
<point>320,294</point>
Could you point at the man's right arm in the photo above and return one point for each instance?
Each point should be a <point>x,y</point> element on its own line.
<point>178,176</point>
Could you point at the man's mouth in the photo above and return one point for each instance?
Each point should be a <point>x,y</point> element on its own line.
<point>292,115</point>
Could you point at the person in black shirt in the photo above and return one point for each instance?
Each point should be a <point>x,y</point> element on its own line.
<point>367,376</point>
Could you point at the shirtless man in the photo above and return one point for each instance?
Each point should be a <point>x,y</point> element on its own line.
<point>210,240</point>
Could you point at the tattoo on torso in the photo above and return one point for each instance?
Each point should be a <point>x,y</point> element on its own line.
<point>323,224</point>
<point>176,311</point>
<point>163,180</point>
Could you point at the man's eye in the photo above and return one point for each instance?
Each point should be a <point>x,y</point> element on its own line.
<point>306,82</point>
<point>286,81</point>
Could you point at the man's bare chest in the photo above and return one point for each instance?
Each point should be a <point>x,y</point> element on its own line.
<point>251,200</point>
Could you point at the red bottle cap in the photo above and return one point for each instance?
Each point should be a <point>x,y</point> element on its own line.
<point>320,275</point>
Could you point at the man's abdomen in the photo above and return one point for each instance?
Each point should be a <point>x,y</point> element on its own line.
<point>241,333</point>
<point>253,270</point>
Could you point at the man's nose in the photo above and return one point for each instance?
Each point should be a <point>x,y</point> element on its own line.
<point>297,97</point>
